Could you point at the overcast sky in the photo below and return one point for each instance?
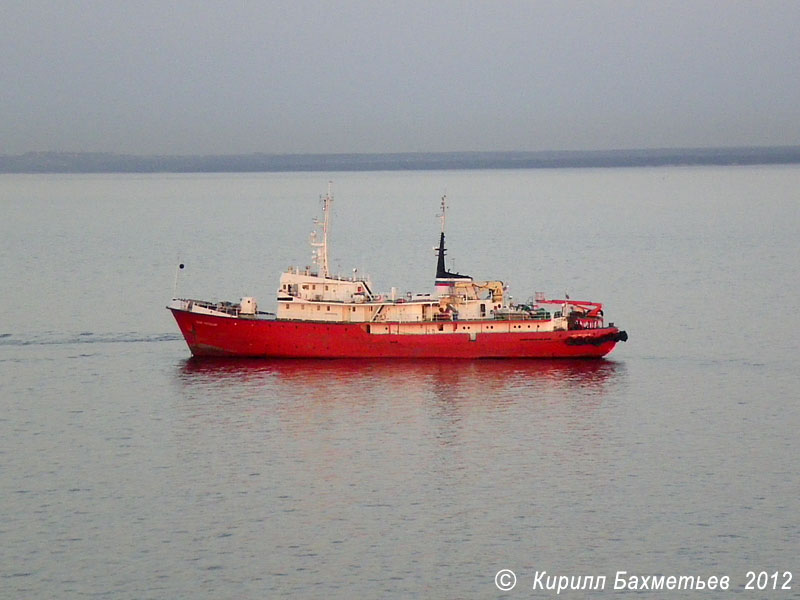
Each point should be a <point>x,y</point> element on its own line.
<point>195,77</point>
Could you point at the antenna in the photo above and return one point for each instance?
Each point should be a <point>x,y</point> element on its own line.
<point>444,210</point>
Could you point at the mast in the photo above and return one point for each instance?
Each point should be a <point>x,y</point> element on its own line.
<point>444,211</point>
<point>444,279</point>
<point>320,253</point>
<point>441,271</point>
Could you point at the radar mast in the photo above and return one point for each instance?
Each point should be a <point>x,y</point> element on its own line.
<point>320,253</point>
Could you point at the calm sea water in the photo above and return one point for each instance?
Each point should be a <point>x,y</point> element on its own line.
<point>128,470</point>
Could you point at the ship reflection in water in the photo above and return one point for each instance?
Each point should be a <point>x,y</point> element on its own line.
<point>482,381</point>
<point>397,418</point>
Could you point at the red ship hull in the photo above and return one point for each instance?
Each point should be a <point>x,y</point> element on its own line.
<point>210,335</point>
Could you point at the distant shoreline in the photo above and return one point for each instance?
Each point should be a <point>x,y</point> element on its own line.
<point>88,162</point>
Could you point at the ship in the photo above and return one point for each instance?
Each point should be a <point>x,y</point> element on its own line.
<point>324,316</point>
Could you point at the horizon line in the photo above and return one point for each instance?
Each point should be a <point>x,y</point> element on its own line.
<point>110,162</point>
<point>408,152</point>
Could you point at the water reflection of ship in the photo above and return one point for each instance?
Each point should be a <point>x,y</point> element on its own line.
<point>406,415</point>
<point>447,379</point>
